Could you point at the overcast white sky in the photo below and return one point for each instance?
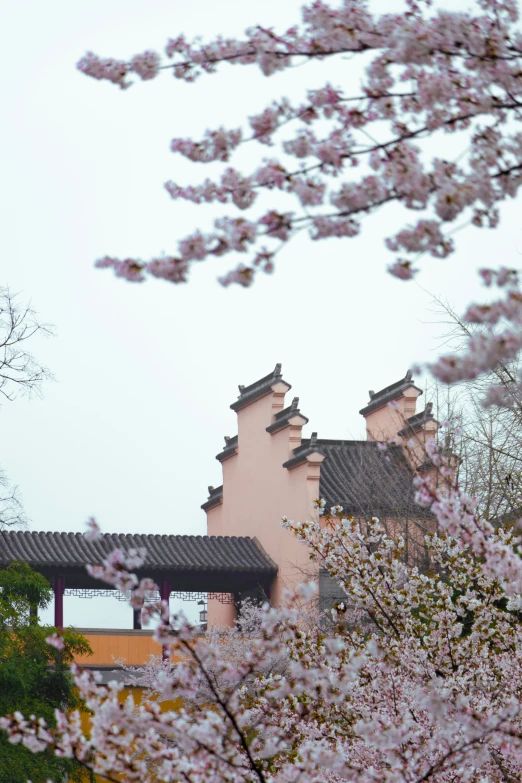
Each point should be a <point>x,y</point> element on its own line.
<point>146,373</point>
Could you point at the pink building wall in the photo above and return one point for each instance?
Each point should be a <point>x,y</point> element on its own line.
<point>258,491</point>
<point>385,422</point>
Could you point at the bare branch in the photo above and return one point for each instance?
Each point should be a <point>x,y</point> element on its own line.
<point>20,372</point>
<point>12,512</point>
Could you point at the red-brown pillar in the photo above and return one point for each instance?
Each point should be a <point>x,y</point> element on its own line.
<point>165,596</point>
<point>59,589</point>
<point>165,590</point>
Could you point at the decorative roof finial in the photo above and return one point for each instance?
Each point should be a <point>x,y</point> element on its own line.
<point>241,389</point>
<point>295,403</point>
<point>371,393</point>
<point>313,439</point>
<point>210,489</point>
<point>408,376</point>
<point>277,370</point>
<point>428,409</point>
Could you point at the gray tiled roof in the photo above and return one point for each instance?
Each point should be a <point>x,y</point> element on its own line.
<point>416,422</point>
<point>170,555</point>
<point>364,479</point>
<point>389,393</point>
<point>308,446</point>
<point>248,394</point>
<point>282,418</point>
<point>360,477</point>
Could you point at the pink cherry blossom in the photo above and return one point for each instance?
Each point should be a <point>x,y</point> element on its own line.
<point>146,65</point>
<point>169,268</point>
<point>242,275</point>
<point>402,269</point>
<point>93,532</point>
<point>384,693</point>
<point>99,68</point>
<point>429,71</point>
<point>55,641</point>
<point>310,192</point>
<point>500,339</point>
<point>265,124</point>
<point>277,224</point>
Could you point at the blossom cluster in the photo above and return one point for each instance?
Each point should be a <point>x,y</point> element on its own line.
<point>495,339</point>
<point>430,72</point>
<point>146,65</point>
<point>114,570</point>
<point>417,677</point>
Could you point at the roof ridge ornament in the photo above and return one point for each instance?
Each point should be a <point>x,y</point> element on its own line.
<point>418,420</point>
<point>259,388</point>
<point>230,448</point>
<point>392,392</point>
<point>286,417</point>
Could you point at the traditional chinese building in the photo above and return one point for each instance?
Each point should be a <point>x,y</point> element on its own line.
<point>269,470</point>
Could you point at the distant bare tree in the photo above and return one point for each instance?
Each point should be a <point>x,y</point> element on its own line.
<point>20,374</point>
<point>12,512</point>
<point>487,440</point>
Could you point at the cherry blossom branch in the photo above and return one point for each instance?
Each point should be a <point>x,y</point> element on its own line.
<point>464,69</point>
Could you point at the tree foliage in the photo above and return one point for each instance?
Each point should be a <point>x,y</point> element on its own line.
<point>34,676</point>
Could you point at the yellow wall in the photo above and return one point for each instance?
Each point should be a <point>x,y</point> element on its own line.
<point>109,645</point>
<point>132,647</point>
<point>137,694</point>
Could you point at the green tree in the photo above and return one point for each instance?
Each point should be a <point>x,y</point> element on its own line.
<point>34,676</point>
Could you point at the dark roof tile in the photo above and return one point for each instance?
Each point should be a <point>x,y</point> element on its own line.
<point>248,394</point>
<point>307,447</point>
<point>361,477</point>
<point>231,445</point>
<point>215,496</point>
<point>365,480</point>
<point>389,393</point>
<point>164,552</point>
<point>282,418</point>
<point>417,422</point>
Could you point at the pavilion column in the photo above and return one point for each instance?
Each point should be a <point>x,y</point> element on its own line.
<point>59,589</point>
<point>165,590</point>
<point>165,596</point>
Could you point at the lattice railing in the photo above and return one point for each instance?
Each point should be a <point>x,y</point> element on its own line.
<point>183,595</point>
